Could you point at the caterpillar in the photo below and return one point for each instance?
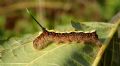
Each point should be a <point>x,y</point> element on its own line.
<point>44,39</point>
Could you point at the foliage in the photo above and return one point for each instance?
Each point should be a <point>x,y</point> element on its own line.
<point>19,51</point>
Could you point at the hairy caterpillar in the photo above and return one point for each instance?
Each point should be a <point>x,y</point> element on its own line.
<point>46,36</point>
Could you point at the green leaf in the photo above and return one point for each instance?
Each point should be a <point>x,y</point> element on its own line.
<point>20,51</point>
<point>78,26</point>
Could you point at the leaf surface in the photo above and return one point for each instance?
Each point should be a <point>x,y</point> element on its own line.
<point>20,51</point>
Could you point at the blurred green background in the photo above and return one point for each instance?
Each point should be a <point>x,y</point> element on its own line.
<point>52,14</point>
